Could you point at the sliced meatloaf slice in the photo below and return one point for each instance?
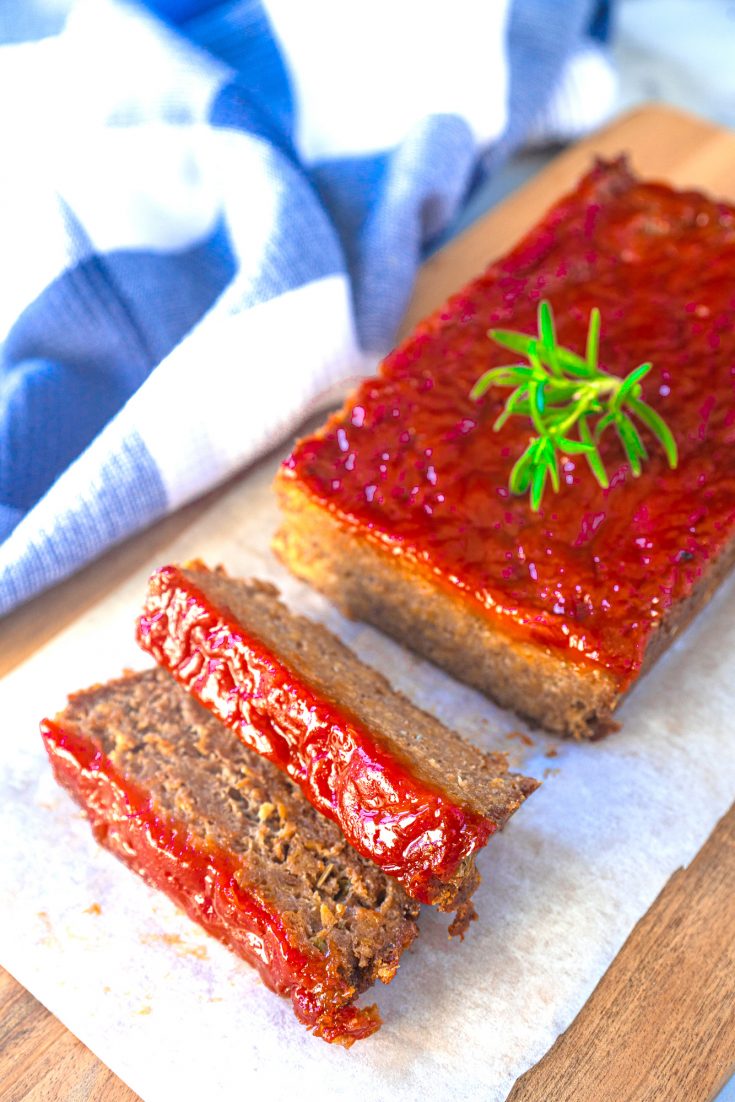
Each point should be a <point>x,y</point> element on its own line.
<point>407,792</point>
<point>231,840</point>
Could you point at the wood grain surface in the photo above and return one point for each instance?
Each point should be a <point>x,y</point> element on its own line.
<point>659,1025</point>
<point>41,1061</point>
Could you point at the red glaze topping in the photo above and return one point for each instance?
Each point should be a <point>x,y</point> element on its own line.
<point>412,831</point>
<point>200,879</point>
<point>412,463</point>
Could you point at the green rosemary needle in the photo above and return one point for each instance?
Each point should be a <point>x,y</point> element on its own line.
<point>570,403</point>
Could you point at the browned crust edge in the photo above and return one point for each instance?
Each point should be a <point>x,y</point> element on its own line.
<point>368,584</point>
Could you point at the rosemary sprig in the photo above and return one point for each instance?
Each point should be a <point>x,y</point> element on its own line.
<point>570,403</point>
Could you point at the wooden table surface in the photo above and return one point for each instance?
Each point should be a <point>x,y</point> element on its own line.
<point>660,1025</point>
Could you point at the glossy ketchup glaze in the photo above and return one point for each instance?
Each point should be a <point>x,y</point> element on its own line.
<point>388,814</point>
<point>412,464</point>
<point>201,879</point>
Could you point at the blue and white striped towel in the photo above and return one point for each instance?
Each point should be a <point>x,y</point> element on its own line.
<point>212,212</point>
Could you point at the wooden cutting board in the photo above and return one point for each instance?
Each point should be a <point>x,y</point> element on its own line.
<point>660,1025</point>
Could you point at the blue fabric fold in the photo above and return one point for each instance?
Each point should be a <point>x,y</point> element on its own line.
<point>178,216</point>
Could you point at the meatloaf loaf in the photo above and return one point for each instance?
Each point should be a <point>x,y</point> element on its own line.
<point>232,841</point>
<point>407,793</point>
<point>399,510</point>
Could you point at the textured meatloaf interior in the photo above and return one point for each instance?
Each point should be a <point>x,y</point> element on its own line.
<point>434,752</point>
<point>348,920</point>
<point>407,793</point>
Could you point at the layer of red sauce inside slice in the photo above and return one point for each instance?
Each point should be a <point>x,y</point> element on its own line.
<point>411,830</point>
<point>201,880</point>
<point>412,463</point>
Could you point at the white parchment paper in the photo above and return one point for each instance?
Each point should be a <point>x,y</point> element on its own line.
<point>178,1017</point>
